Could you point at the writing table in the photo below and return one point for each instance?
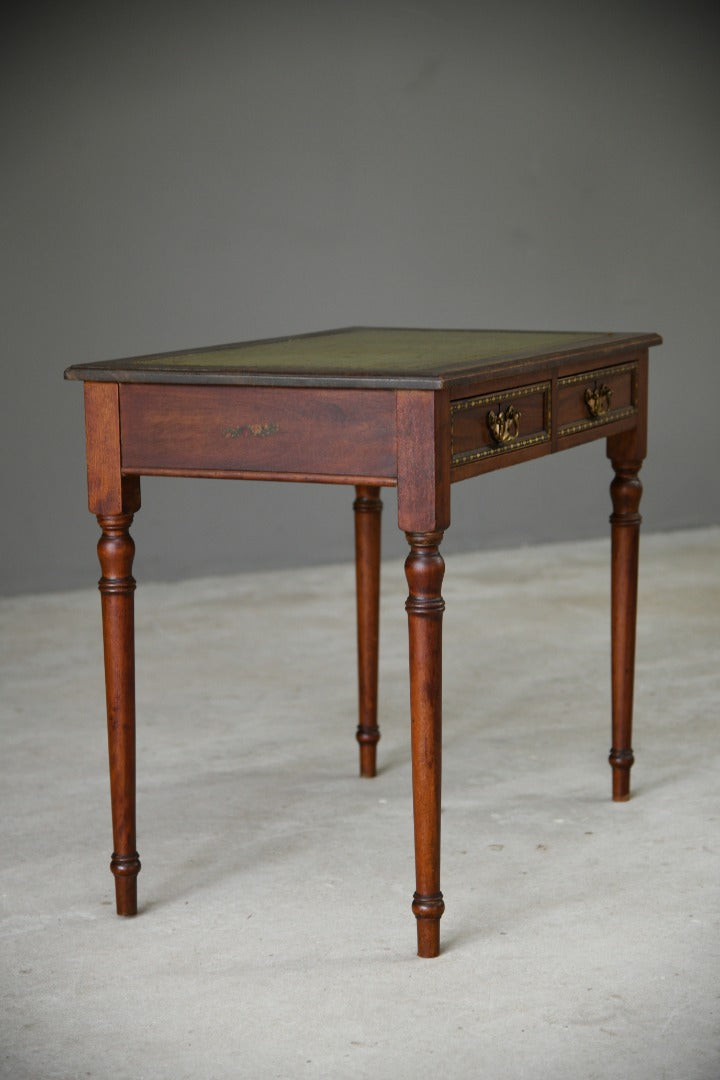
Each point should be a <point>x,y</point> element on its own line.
<point>415,409</point>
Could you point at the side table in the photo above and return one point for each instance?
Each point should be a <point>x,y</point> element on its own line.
<point>372,408</point>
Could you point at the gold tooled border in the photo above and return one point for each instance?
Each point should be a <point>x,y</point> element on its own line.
<point>468,456</point>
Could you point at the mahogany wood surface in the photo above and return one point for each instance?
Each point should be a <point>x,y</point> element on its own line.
<point>117,585</point>
<point>258,429</point>
<point>626,490</point>
<point>368,508</point>
<point>424,570</point>
<point>109,491</point>
<point>418,409</point>
<point>423,460</point>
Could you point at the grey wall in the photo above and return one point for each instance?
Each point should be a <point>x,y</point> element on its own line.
<point>183,174</point>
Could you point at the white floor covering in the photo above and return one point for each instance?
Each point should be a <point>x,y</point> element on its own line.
<point>275,939</point>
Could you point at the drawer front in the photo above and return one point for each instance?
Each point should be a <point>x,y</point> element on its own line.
<point>257,429</point>
<point>499,423</point>
<point>596,397</point>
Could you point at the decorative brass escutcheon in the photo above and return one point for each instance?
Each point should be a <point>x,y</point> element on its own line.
<point>597,399</point>
<point>504,426</point>
<point>255,431</point>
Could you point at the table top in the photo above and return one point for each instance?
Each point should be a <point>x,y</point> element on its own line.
<point>370,357</point>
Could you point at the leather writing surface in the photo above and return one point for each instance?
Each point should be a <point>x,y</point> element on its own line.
<point>363,356</point>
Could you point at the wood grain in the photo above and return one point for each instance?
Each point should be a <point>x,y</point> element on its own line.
<point>258,429</point>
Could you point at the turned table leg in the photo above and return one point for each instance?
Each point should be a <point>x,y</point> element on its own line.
<point>625,491</point>
<point>424,569</point>
<point>368,508</point>
<point>115,551</point>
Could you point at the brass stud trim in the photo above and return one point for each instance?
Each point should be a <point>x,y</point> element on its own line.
<point>612,414</point>
<point>468,456</point>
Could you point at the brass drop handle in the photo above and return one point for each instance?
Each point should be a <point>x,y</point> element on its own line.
<point>597,399</point>
<point>505,425</point>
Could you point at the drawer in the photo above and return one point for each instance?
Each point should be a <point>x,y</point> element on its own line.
<point>499,423</point>
<point>596,397</point>
<point>247,429</point>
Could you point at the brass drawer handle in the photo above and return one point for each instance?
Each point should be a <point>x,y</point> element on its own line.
<point>597,399</point>
<point>504,426</point>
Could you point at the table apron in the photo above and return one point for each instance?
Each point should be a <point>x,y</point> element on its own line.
<point>243,431</point>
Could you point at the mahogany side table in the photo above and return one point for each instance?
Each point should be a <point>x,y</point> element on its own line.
<point>415,409</point>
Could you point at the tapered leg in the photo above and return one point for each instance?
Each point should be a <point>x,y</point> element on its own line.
<point>368,508</point>
<point>625,491</point>
<point>424,569</point>
<point>115,551</point>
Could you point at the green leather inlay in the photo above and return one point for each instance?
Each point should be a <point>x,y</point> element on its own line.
<point>359,356</point>
<point>384,351</point>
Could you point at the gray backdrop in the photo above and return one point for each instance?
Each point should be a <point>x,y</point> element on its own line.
<point>183,174</point>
